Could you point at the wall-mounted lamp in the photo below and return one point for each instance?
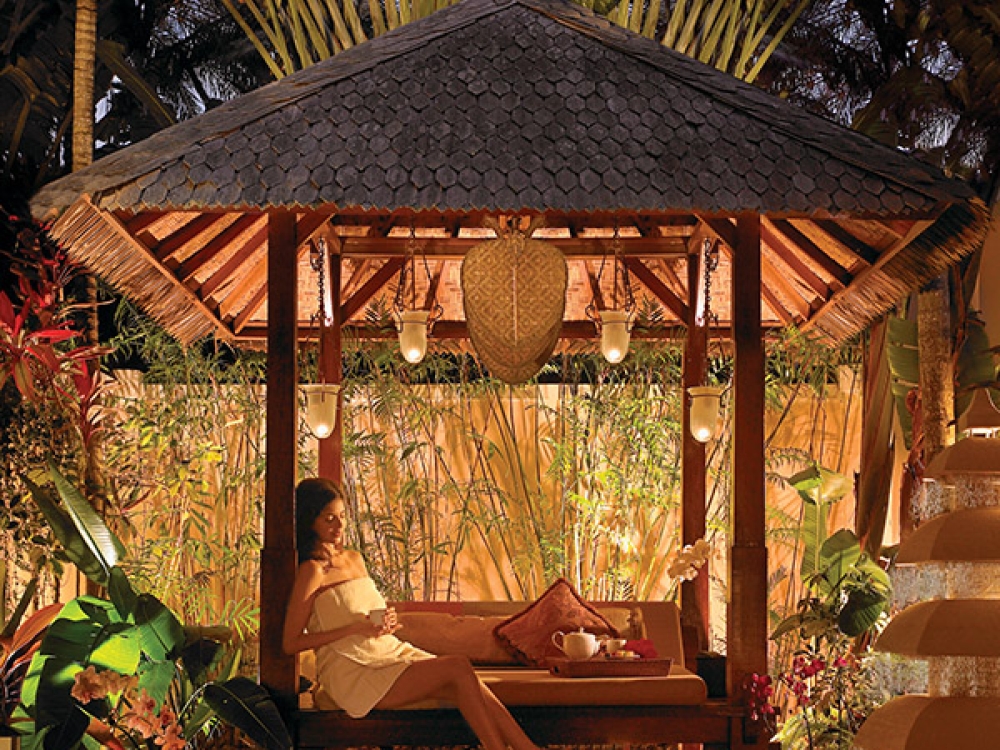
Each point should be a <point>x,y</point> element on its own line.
<point>706,400</point>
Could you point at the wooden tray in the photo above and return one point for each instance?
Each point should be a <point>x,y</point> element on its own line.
<point>601,666</point>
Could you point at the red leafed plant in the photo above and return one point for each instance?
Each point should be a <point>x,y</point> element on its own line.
<point>36,326</point>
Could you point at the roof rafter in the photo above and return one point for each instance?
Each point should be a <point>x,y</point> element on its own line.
<point>660,290</point>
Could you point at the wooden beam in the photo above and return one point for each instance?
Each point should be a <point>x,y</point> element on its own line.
<point>885,257</point>
<point>673,280</point>
<point>747,622</point>
<point>371,287</point>
<point>192,265</point>
<point>571,330</point>
<point>450,248</point>
<point>139,222</point>
<point>432,287</point>
<point>722,228</point>
<point>595,286</point>
<point>660,290</point>
<point>361,266</point>
<point>243,254</point>
<point>786,251</point>
<point>240,320</point>
<point>810,248</point>
<point>694,594</point>
<point>172,243</point>
<point>278,671</point>
<point>772,277</point>
<point>862,250</point>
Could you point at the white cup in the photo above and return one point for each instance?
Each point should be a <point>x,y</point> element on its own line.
<point>377,616</point>
<point>614,645</point>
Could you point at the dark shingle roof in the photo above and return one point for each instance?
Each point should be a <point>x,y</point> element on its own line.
<point>511,105</point>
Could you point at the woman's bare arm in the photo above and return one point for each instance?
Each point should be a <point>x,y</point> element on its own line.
<point>308,582</point>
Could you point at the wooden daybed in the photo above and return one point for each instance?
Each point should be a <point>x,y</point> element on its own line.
<point>661,710</point>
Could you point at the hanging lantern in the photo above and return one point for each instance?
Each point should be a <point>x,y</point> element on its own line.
<point>614,335</point>
<point>321,398</point>
<point>412,325</point>
<point>321,408</point>
<point>614,323</point>
<point>706,401</point>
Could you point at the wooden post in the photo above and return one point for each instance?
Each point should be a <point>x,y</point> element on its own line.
<point>747,622</point>
<point>331,449</point>
<point>278,671</point>
<point>694,594</point>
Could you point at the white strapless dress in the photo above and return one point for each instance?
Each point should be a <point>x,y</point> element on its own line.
<point>357,671</point>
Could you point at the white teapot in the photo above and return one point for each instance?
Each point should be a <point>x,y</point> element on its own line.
<point>578,645</point>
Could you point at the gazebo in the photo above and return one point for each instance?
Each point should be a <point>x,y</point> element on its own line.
<point>516,108</point>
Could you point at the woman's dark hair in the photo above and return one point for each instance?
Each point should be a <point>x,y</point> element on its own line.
<point>311,496</point>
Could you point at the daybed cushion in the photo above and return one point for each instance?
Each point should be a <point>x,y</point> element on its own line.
<point>528,634</point>
<point>536,687</point>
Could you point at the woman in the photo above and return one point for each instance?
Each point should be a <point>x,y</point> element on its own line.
<point>361,664</point>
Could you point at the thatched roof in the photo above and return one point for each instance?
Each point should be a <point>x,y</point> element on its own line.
<point>513,106</point>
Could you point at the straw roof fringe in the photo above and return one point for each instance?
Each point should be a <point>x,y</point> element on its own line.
<point>96,239</point>
<point>957,234</point>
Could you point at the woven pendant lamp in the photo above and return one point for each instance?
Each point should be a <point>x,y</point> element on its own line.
<point>514,294</point>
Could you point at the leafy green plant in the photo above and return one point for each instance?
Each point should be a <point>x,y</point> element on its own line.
<point>132,635</point>
<point>847,597</point>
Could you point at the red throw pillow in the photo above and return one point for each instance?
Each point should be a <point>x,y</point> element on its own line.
<point>528,634</point>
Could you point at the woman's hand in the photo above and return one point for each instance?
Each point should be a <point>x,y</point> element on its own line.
<point>390,624</point>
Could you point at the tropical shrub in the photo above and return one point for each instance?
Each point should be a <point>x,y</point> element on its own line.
<point>123,669</point>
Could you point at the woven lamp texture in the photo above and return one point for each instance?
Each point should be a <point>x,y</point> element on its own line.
<point>514,294</point>
<point>920,722</point>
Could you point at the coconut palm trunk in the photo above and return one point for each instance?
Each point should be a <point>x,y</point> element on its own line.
<point>84,62</point>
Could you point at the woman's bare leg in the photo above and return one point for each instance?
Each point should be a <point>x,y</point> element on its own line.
<point>508,726</point>
<point>454,679</point>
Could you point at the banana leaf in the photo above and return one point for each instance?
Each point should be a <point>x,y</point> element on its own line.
<point>88,631</point>
<point>102,542</point>
<point>975,365</point>
<point>861,611</point>
<point>904,365</point>
<point>248,707</point>
<point>122,595</point>
<point>22,606</point>
<point>74,547</point>
<point>160,632</point>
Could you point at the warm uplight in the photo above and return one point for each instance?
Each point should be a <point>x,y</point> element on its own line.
<point>614,335</point>
<point>413,335</point>
<point>321,408</point>
<point>705,403</point>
